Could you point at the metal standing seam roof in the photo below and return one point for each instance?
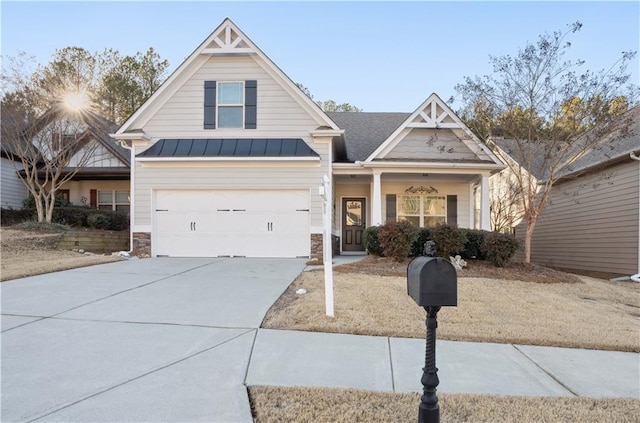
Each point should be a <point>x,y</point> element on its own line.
<point>229,147</point>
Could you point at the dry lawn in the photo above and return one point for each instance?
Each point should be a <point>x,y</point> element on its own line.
<point>27,253</point>
<point>280,404</point>
<point>591,313</point>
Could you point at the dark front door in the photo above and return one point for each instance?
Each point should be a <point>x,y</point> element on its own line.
<point>353,223</point>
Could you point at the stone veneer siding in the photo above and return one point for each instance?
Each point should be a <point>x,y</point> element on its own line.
<point>141,244</point>
<point>316,246</point>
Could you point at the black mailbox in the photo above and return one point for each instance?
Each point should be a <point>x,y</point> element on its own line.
<point>432,282</point>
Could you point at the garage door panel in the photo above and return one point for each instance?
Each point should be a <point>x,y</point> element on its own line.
<point>192,223</point>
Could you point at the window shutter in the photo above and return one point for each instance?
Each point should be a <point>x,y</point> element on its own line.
<point>250,104</point>
<point>93,198</point>
<point>452,210</point>
<point>391,207</point>
<point>209,104</point>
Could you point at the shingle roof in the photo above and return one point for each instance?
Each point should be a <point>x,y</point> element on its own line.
<point>364,132</point>
<point>616,145</point>
<point>230,147</point>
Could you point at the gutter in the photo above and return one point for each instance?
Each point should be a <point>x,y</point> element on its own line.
<point>132,167</point>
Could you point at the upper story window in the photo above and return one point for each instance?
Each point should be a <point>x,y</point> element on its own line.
<point>230,104</point>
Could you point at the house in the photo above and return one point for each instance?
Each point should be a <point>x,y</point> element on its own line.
<point>98,173</point>
<point>229,156</point>
<point>592,219</point>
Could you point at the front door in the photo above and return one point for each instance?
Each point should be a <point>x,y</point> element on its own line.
<point>353,223</point>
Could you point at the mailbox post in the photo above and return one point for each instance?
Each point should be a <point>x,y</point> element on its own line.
<point>432,282</point>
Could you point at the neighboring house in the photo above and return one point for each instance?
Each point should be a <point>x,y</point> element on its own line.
<point>12,190</point>
<point>230,155</point>
<point>101,182</point>
<point>591,221</point>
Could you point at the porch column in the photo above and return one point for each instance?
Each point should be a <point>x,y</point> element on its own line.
<point>485,217</point>
<point>376,206</point>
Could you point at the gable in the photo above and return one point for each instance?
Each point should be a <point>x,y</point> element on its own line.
<point>434,145</point>
<point>433,132</point>
<point>101,157</point>
<point>181,97</point>
<point>277,112</point>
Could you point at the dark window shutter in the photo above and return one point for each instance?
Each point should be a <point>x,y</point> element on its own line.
<point>452,210</point>
<point>93,198</point>
<point>391,207</point>
<point>209,104</point>
<point>250,104</point>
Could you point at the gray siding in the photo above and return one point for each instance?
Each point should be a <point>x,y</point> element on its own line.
<point>12,190</point>
<point>591,223</point>
<point>431,144</point>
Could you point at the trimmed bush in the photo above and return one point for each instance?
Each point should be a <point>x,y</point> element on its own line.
<point>30,202</point>
<point>11,216</point>
<point>449,240</point>
<point>370,241</point>
<point>499,248</point>
<point>397,238</point>
<point>99,221</point>
<point>472,246</point>
<point>72,216</point>
<point>424,235</point>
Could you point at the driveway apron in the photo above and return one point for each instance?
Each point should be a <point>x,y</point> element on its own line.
<point>139,340</point>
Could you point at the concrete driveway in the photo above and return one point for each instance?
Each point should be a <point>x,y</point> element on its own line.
<point>138,340</point>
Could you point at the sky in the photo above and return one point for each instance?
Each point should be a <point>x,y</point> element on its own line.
<point>379,56</point>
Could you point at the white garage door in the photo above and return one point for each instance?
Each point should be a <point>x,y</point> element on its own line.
<point>232,223</point>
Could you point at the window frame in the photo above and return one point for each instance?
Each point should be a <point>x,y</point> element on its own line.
<point>113,203</point>
<point>400,215</point>
<point>220,106</point>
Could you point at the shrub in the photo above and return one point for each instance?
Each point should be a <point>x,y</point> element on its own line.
<point>424,235</point>
<point>449,240</point>
<point>499,248</point>
<point>32,225</point>
<point>472,246</point>
<point>30,202</point>
<point>11,216</point>
<point>370,240</point>
<point>99,221</point>
<point>72,215</point>
<point>396,239</point>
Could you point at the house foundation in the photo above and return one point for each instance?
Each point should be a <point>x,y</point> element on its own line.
<point>141,244</point>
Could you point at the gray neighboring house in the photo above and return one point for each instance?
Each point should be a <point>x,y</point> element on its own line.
<point>592,220</point>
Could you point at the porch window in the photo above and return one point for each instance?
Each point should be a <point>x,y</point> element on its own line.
<point>230,104</point>
<point>114,200</point>
<point>424,211</point>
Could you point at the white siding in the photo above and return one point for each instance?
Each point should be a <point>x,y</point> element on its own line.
<point>278,114</point>
<point>591,223</point>
<point>431,144</point>
<point>12,190</point>
<point>100,157</point>
<point>230,175</point>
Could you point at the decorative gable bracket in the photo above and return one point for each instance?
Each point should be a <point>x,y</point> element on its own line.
<point>433,116</point>
<point>227,41</point>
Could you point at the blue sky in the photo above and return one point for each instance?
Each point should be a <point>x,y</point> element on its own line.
<point>380,56</point>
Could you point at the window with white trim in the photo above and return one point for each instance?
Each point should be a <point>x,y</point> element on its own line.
<point>114,200</point>
<point>230,104</point>
<point>424,211</point>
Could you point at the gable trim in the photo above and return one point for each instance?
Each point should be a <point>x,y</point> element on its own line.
<point>187,68</point>
<point>470,140</point>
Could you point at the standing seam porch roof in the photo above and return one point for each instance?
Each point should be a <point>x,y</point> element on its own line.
<point>229,147</point>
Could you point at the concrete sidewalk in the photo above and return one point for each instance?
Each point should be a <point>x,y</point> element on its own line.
<point>289,358</point>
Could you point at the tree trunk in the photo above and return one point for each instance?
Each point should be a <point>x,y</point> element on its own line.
<point>51,201</point>
<point>39,208</point>
<point>527,241</point>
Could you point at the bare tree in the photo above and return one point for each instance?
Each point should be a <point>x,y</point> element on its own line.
<point>550,114</point>
<point>49,150</point>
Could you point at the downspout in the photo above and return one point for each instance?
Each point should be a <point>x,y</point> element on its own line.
<point>132,166</point>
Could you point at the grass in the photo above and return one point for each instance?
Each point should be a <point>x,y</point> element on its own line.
<point>591,313</point>
<point>282,404</point>
<point>32,225</point>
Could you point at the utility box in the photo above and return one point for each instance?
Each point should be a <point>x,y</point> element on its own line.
<point>432,282</point>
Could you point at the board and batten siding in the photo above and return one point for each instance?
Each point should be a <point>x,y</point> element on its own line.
<point>100,157</point>
<point>222,175</point>
<point>592,223</point>
<point>12,190</point>
<point>279,115</point>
